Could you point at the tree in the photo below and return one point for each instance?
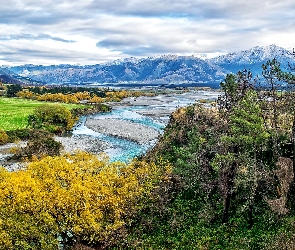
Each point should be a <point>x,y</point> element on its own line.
<point>282,104</point>
<point>235,88</point>
<point>12,89</point>
<point>241,162</point>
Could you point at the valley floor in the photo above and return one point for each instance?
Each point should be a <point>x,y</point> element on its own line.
<point>157,108</point>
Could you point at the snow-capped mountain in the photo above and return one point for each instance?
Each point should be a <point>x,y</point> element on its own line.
<point>167,69</point>
<point>253,58</point>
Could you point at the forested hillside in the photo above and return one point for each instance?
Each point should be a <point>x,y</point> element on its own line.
<point>232,184</point>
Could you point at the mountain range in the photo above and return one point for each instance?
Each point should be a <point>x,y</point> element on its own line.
<point>163,70</point>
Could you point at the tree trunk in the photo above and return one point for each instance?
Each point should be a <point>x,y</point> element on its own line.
<point>250,217</point>
<point>230,185</point>
<point>225,217</point>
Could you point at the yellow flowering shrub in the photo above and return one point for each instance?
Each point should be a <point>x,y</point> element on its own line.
<point>3,137</point>
<point>60,200</point>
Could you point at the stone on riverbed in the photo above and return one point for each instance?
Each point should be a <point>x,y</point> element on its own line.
<point>123,129</point>
<point>82,142</point>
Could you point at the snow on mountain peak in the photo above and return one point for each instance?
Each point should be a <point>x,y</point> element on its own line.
<point>256,54</point>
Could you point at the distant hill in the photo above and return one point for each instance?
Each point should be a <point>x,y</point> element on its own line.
<point>159,70</point>
<point>164,70</point>
<point>7,79</point>
<point>8,76</point>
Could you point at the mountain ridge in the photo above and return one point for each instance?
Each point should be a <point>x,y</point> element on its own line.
<point>164,69</point>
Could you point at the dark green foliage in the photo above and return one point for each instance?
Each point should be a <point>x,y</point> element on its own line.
<point>76,112</point>
<point>13,89</point>
<point>39,144</point>
<point>26,134</point>
<point>234,187</point>
<point>102,107</point>
<point>235,87</point>
<point>272,73</point>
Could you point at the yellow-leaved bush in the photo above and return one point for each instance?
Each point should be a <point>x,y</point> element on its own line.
<point>3,137</point>
<point>67,198</point>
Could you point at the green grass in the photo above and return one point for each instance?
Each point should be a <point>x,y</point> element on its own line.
<point>14,112</point>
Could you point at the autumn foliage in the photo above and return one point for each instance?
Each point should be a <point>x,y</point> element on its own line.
<point>72,199</point>
<point>54,118</point>
<point>77,97</point>
<point>3,137</point>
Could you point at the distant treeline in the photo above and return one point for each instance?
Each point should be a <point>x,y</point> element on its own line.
<point>66,90</point>
<point>67,94</point>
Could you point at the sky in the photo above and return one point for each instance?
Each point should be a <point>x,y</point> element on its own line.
<point>98,31</point>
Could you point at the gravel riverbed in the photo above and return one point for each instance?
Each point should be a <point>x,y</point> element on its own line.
<point>70,145</point>
<point>123,129</point>
<point>82,143</point>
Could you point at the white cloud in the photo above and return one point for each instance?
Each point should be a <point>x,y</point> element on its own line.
<point>87,32</point>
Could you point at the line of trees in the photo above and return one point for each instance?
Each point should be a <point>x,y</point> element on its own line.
<point>69,94</point>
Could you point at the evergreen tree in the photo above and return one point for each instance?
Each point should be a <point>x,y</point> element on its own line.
<point>13,89</point>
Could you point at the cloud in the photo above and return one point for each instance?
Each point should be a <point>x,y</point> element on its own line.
<point>92,31</point>
<point>34,37</point>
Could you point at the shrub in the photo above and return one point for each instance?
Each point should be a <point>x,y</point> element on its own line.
<point>104,108</point>
<point>73,199</point>
<point>90,110</point>
<point>53,118</point>
<point>18,134</point>
<point>3,137</point>
<point>26,134</point>
<point>39,145</point>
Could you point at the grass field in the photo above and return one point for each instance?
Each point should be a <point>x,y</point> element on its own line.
<point>14,112</point>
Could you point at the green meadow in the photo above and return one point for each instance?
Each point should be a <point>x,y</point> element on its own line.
<point>14,112</point>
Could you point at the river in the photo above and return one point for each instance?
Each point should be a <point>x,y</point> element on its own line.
<point>149,112</point>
